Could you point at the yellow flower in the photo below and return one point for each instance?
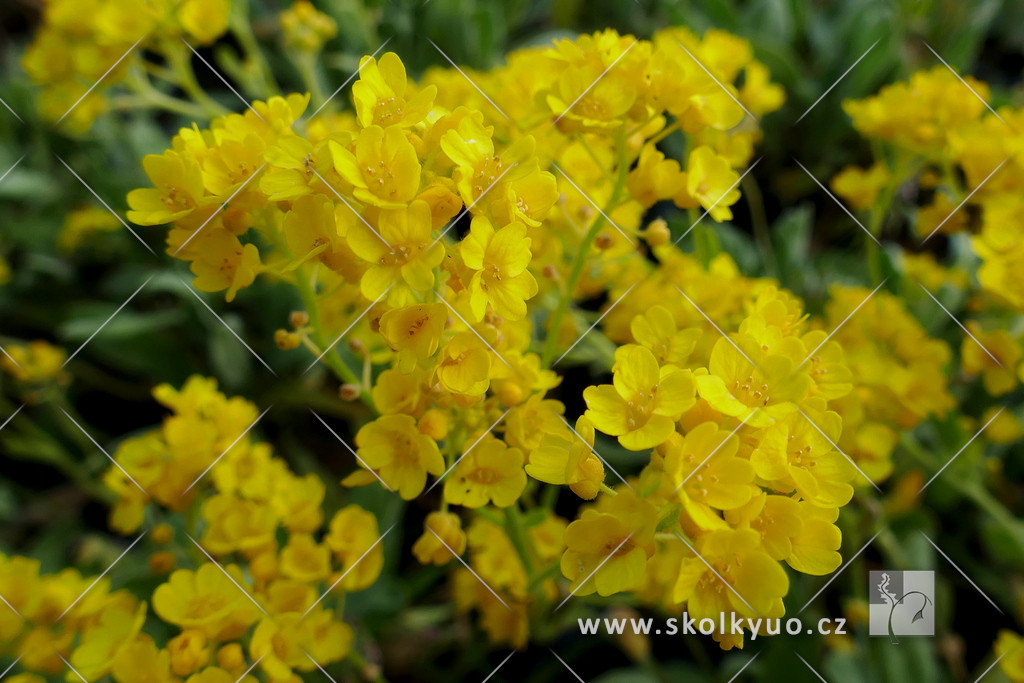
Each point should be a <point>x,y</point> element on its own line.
<point>190,651</point>
<point>141,661</point>
<point>393,447</point>
<point>177,192</point>
<point>383,169</point>
<point>710,182</point>
<point>37,361</point>
<point>1010,650</point>
<point>101,645</point>
<point>401,253</point>
<point>304,559</point>
<point>644,401</point>
<point>498,260</point>
<point>296,642</point>
<point>353,538</point>
<point>569,460</point>
<point>656,330</point>
<point>860,187</point>
<point>440,529</point>
<point>705,466</point>
<point>414,332</point>
<point>464,365</point>
<point>618,538</point>
<point>205,600</point>
<point>380,94</point>
<point>305,28</point>
<point>755,582</point>
<point>793,454</point>
<point>489,471</point>
<point>997,374</point>
<point>655,178</point>
<point>204,20</point>
<point>224,263</point>
<point>755,394</point>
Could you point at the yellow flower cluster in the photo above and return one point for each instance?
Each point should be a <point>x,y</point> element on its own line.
<point>261,524</point>
<point>447,227</point>
<point>937,131</point>
<point>85,46</point>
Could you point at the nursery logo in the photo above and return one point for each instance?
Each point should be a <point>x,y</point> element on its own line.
<point>901,604</point>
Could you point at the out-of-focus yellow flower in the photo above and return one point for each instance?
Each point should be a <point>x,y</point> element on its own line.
<point>305,28</point>
<point>397,451</point>
<point>993,355</point>
<point>860,187</point>
<point>442,536</point>
<point>37,361</point>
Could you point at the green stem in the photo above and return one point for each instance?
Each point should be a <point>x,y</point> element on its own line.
<point>583,251</point>
<point>304,283</point>
<point>179,58</point>
<point>762,233</point>
<point>517,534</point>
